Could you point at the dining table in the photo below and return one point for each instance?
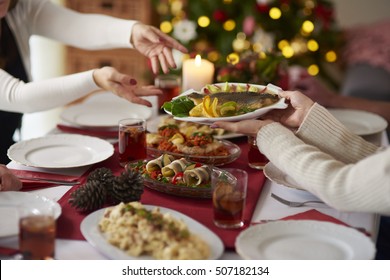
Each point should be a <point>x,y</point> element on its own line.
<point>260,208</point>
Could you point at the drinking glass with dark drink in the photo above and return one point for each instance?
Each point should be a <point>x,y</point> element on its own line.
<point>37,232</point>
<point>229,188</point>
<point>170,86</point>
<point>132,140</point>
<point>255,158</point>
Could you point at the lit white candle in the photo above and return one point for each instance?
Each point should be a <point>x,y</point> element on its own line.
<point>197,73</point>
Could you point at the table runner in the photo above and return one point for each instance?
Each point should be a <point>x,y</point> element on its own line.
<point>198,209</point>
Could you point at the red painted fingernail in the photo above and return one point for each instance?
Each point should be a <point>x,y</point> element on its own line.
<point>133,82</point>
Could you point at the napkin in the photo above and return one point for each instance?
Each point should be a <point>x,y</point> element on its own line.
<point>317,216</point>
<point>314,215</point>
<point>102,133</point>
<point>8,251</point>
<point>29,185</point>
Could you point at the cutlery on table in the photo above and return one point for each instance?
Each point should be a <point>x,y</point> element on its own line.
<point>43,180</point>
<point>294,203</point>
<point>264,221</point>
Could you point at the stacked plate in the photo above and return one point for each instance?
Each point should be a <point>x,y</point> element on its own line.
<point>60,151</point>
<point>104,111</point>
<point>9,203</point>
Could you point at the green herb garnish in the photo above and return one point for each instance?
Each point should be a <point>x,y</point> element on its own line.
<point>179,107</point>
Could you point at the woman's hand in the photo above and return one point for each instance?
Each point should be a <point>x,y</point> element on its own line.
<point>155,45</point>
<point>8,181</point>
<point>295,113</point>
<point>123,85</point>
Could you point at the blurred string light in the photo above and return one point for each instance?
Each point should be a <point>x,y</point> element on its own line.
<point>282,44</point>
<point>331,56</point>
<point>240,43</point>
<point>288,51</point>
<point>229,25</point>
<point>203,21</point>
<point>213,56</point>
<point>309,6</point>
<point>299,46</point>
<point>275,13</point>
<point>307,27</point>
<point>233,58</point>
<point>312,45</point>
<point>313,70</point>
<point>257,47</point>
<point>176,7</point>
<point>166,26</point>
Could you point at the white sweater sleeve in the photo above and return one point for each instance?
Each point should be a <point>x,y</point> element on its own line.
<point>17,96</point>
<point>363,186</point>
<point>321,129</point>
<point>86,31</point>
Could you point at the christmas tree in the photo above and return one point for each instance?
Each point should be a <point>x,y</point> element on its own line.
<point>303,32</point>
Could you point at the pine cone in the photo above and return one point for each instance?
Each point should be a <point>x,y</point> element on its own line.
<point>103,175</point>
<point>88,197</point>
<point>127,187</point>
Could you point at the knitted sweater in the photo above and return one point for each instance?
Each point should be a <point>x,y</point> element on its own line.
<point>326,159</point>
<point>86,31</point>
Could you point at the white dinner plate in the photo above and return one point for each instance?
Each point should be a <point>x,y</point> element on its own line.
<point>60,151</point>
<point>104,111</point>
<point>304,240</point>
<point>9,203</point>
<point>90,230</point>
<point>360,122</point>
<point>281,104</point>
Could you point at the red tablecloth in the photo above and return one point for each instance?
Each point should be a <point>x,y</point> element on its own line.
<point>198,209</point>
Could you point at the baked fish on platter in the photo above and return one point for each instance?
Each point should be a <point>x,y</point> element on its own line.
<point>225,102</point>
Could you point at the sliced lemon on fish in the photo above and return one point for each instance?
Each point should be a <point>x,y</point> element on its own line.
<point>197,111</point>
<point>226,87</point>
<point>240,88</point>
<point>254,89</point>
<point>213,88</point>
<point>206,107</point>
<point>214,110</point>
<point>228,108</point>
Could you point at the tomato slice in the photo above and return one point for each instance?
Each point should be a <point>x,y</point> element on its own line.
<point>177,178</point>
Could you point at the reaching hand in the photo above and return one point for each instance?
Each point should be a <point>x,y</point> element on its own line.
<point>295,113</point>
<point>8,181</point>
<point>155,45</point>
<point>123,85</point>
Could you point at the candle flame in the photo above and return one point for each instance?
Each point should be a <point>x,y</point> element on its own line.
<point>198,60</point>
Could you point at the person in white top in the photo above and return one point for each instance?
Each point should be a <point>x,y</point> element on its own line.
<point>321,155</point>
<point>24,18</point>
<point>86,31</point>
